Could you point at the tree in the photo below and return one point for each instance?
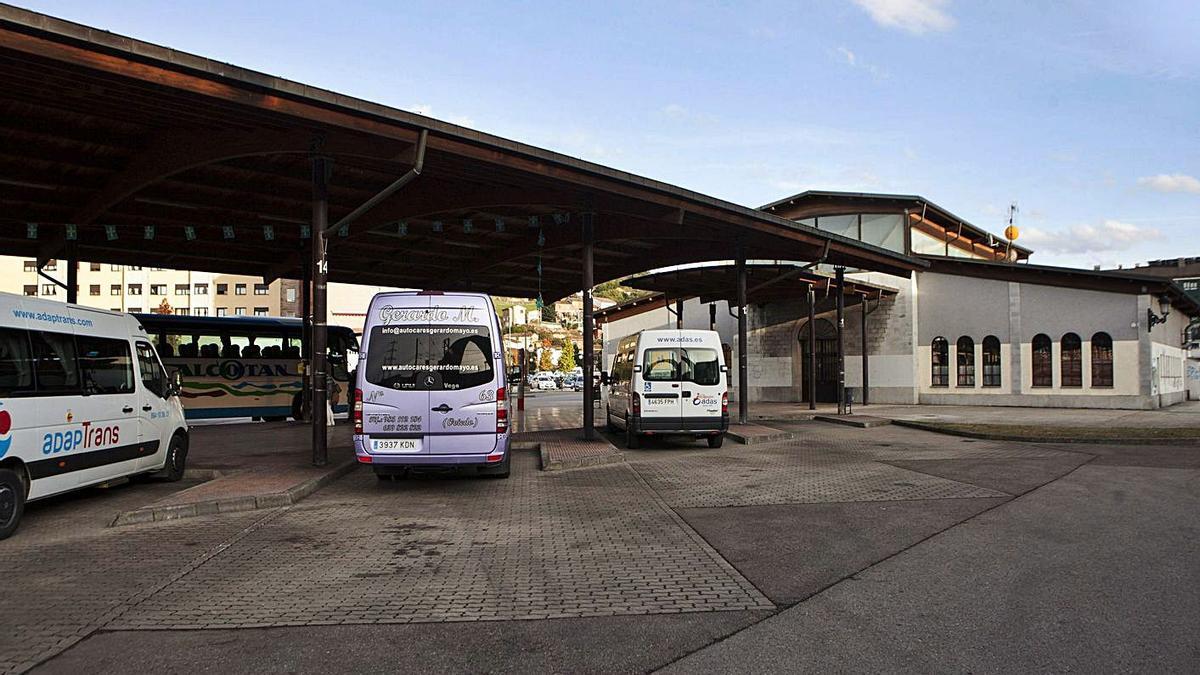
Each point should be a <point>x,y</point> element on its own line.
<point>544,362</point>
<point>566,362</point>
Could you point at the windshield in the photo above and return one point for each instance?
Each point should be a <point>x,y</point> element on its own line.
<point>424,357</point>
<point>681,364</point>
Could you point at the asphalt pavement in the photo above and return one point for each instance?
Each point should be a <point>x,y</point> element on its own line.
<point>848,550</point>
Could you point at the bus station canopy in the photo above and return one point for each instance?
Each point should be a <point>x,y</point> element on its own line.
<point>130,153</point>
<point>765,282</point>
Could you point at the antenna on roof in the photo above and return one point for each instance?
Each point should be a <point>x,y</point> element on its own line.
<point>1011,232</point>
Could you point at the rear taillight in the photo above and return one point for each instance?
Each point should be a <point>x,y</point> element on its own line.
<point>358,429</point>
<point>501,412</point>
<point>725,402</point>
<point>635,403</point>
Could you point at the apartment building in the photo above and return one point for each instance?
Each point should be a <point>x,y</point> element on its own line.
<point>131,288</point>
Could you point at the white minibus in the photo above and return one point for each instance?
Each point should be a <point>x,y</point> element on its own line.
<point>84,400</point>
<point>431,391</point>
<point>669,382</point>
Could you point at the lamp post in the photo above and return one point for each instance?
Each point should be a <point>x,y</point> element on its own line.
<point>1164,310</point>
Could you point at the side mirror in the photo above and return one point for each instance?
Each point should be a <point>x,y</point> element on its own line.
<point>637,368</point>
<point>175,385</point>
<point>724,368</point>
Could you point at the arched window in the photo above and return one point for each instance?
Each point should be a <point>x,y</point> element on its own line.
<point>991,361</point>
<point>1102,360</point>
<point>1043,366</point>
<point>1071,360</point>
<point>966,362</point>
<point>940,362</point>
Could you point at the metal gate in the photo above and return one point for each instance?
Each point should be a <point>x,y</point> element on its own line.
<point>827,361</point>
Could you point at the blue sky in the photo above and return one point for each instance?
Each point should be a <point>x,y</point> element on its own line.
<point>1087,114</point>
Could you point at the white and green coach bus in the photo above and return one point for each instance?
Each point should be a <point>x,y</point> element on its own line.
<point>245,366</point>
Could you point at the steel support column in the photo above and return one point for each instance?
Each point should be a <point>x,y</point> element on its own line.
<point>866,378</point>
<point>320,270</point>
<point>841,339</point>
<point>73,273</point>
<point>589,326</point>
<point>812,348</point>
<point>743,362</point>
<point>305,334</point>
<point>712,316</point>
<point>679,313</point>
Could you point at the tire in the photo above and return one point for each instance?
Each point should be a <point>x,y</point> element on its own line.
<point>608,423</point>
<point>12,502</point>
<point>176,463</point>
<point>505,468</point>
<point>633,441</point>
<point>716,441</point>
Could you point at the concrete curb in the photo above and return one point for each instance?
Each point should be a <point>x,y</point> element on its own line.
<point>271,500</point>
<point>759,439</point>
<point>860,421</point>
<point>1043,439</point>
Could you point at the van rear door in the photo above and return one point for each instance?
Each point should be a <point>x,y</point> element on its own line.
<point>661,388</point>
<point>462,402</point>
<point>702,383</point>
<point>396,376</point>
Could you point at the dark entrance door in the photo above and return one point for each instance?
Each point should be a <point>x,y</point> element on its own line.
<point>827,361</point>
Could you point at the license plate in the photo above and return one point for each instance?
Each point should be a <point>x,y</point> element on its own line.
<point>395,445</point>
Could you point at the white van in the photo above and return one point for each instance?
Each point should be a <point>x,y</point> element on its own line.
<point>430,392</point>
<point>669,382</point>
<point>84,400</point>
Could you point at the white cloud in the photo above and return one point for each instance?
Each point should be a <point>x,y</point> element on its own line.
<point>1175,182</point>
<point>855,61</point>
<point>674,111</point>
<point>1109,235</point>
<point>914,16</point>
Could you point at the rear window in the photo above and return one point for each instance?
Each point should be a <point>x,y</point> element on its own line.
<point>681,364</point>
<point>424,357</point>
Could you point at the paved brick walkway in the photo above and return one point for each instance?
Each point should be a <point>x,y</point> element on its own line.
<point>575,544</point>
<point>60,585</point>
<point>602,541</point>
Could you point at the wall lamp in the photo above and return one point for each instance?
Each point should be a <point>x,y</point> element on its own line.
<point>1164,309</point>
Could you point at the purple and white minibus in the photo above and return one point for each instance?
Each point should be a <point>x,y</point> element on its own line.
<point>430,389</point>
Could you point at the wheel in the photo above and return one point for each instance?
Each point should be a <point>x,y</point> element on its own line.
<point>716,441</point>
<point>504,469</point>
<point>12,502</point>
<point>274,418</point>
<point>608,423</point>
<point>176,459</point>
<point>633,441</point>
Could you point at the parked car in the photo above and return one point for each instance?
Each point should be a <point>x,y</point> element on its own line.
<point>544,381</point>
<point>573,382</point>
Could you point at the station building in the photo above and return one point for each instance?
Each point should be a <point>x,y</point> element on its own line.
<point>980,326</point>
